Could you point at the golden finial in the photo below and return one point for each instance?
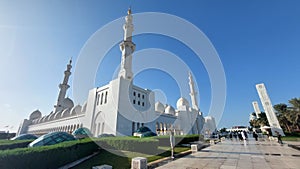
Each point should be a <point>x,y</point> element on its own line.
<point>129,11</point>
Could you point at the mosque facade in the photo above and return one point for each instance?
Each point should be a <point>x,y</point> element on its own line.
<point>120,107</point>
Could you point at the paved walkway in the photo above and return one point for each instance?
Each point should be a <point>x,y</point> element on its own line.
<point>236,154</point>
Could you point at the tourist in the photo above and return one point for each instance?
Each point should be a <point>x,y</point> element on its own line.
<point>246,135</point>
<point>243,135</point>
<point>235,135</point>
<point>255,135</point>
<point>240,136</point>
<point>230,136</point>
<point>279,137</point>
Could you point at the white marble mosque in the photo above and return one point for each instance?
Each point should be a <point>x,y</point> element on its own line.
<point>120,107</point>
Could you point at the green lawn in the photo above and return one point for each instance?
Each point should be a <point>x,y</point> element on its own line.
<point>124,161</point>
<point>291,138</point>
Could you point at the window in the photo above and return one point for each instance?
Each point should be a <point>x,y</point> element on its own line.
<point>139,102</point>
<point>139,95</point>
<point>105,101</point>
<point>98,97</point>
<point>101,99</point>
<point>143,96</point>
<point>143,104</point>
<point>133,93</point>
<point>133,129</point>
<point>133,101</point>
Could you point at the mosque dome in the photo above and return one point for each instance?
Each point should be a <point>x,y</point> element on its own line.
<point>75,110</point>
<point>65,113</point>
<point>35,115</point>
<point>170,110</point>
<point>68,103</point>
<point>57,115</point>
<point>45,118</point>
<point>159,107</point>
<point>182,102</point>
<point>51,116</point>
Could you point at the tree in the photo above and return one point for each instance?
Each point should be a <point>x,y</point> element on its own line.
<point>295,112</point>
<point>259,121</point>
<point>283,116</point>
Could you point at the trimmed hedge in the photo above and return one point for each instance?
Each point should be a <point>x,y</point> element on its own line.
<point>142,145</point>
<point>53,156</point>
<point>12,144</point>
<point>57,155</point>
<point>179,139</point>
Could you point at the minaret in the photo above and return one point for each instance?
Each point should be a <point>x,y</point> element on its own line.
<point>193,93</point>
<point>127,47</point>
<point>63,88</point>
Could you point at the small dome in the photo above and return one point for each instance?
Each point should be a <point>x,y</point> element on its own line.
<point>51,116</point>
<point>159,107</point>
<point>35,121</point>
<point>170,110</point>
<point>68,103</point>
<point>45,118</point>
<point>182,102</point>
<point>65,113</point>
<point>35,115</point>
<point>57,115</point>
<point>40,120</point>
<point>83,110</point>
<point>75,110</point>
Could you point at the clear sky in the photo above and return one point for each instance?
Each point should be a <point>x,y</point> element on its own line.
<point>257,41</point>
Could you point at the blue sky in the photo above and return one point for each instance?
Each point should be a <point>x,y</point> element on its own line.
<point>257,41</point>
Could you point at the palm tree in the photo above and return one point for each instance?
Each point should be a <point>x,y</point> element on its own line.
<point>259,121</point>
<point>295,112</point>
<point>284,119</point>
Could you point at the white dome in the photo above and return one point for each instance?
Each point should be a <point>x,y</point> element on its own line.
<point>45,118</point>
<point>65,113</point>
<point>35,121</point>
<point>182,102</point>
<point>170,110</point>
<point>57,115</point>
<point>68,103</point>
<point>75,110</point>
<point>35,115</point>
<point>159,107</point>
<point>51,116</point>
<point>40,120</point>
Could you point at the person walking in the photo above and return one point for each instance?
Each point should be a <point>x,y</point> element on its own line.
<point>279,137</point>
<point>230,136</point>
<point>255,135</point>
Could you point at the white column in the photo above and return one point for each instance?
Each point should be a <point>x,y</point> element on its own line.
<point>193,93</point>
<point>63,87</point>
<point>127,47</point>
<point>267,105</point>
<point>256,109</point>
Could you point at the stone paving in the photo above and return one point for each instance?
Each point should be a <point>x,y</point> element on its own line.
<point>236,154</point>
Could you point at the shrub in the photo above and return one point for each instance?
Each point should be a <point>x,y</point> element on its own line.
<point>53,156</point>
<point>143,145</point>
<point>181,139</point>
<point>11,144</point>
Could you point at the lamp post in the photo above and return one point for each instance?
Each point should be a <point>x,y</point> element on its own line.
<point>172,143</point>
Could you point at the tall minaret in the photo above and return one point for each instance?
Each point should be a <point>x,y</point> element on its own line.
<point>193,93</point>
<point>127,47</point>
<point>63,88</point>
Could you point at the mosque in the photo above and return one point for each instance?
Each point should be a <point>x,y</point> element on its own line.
<point>118,108</point>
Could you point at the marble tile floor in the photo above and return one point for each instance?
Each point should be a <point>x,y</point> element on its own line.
<point>240,155</point>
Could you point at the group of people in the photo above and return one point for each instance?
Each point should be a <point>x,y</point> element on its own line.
<point>239,135</point>
<point>243,136</point>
